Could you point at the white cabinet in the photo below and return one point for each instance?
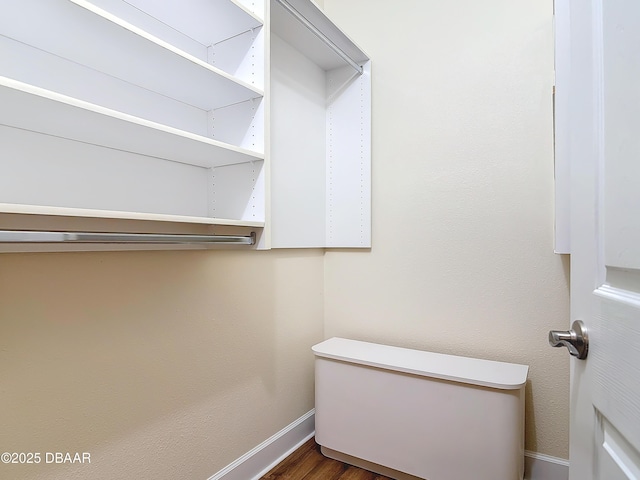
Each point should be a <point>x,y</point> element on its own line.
<point>189,116</point>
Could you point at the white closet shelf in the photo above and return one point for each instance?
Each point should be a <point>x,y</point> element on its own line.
<point>132,54</point>
<point>290,29</point>
<point>200,23</point>
<point>36,109</point>
<point>121,215</point>
<point>155,51</point>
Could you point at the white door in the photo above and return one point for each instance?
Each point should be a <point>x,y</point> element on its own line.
<point>605,237</point>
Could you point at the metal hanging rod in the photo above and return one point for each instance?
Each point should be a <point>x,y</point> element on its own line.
<point>326,40</point>
<point>27,236</point>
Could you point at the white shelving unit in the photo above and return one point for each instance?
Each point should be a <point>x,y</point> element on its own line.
<point>180,117</point>
<point>320,131</point>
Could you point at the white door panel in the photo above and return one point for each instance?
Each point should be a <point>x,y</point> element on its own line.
<point>605,237</point>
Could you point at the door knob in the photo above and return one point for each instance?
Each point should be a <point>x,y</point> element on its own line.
<point>576,339</point>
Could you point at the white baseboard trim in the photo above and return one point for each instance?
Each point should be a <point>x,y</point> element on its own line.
<point>544,467</point>
<point>259,460</point>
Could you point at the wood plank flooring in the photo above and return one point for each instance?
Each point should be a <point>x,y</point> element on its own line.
<point>307,463</point>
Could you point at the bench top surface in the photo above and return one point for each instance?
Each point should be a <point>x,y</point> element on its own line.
<point>474,371</point>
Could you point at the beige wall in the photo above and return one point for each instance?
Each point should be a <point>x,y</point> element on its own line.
<point>462,259</point>
<point>162,365</point>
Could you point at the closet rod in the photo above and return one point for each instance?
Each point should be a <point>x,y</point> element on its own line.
<point>27,236</point>
<point>326,40</point>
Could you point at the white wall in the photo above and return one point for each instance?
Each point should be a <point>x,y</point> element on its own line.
<point>462,259</point>
<point>161,365</point>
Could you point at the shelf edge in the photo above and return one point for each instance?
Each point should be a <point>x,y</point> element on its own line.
<point>125,118</point>
<point>167,46</point>
<point>121,215</point>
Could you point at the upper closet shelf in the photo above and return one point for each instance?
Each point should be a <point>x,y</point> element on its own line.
<point>302,24</point>
<point>132,54</point>
<point>32,108</point>
<point>196,24</point>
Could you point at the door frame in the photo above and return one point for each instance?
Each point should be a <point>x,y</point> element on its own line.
<point>576,102</point>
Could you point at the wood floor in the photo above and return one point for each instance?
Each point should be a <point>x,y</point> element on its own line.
<point>307,463</point>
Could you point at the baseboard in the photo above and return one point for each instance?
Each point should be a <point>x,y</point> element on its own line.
<point>544,467</point>
<point>259,460</point>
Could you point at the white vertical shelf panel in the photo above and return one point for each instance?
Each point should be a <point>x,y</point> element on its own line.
<point>562,130</point>
<point>238,191</point>
<point>241,56</point>
<point>349,158</point>
<point>298,148</point>
<point>320,135</point>
<point>240,124</point>
<point>256,7</point>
